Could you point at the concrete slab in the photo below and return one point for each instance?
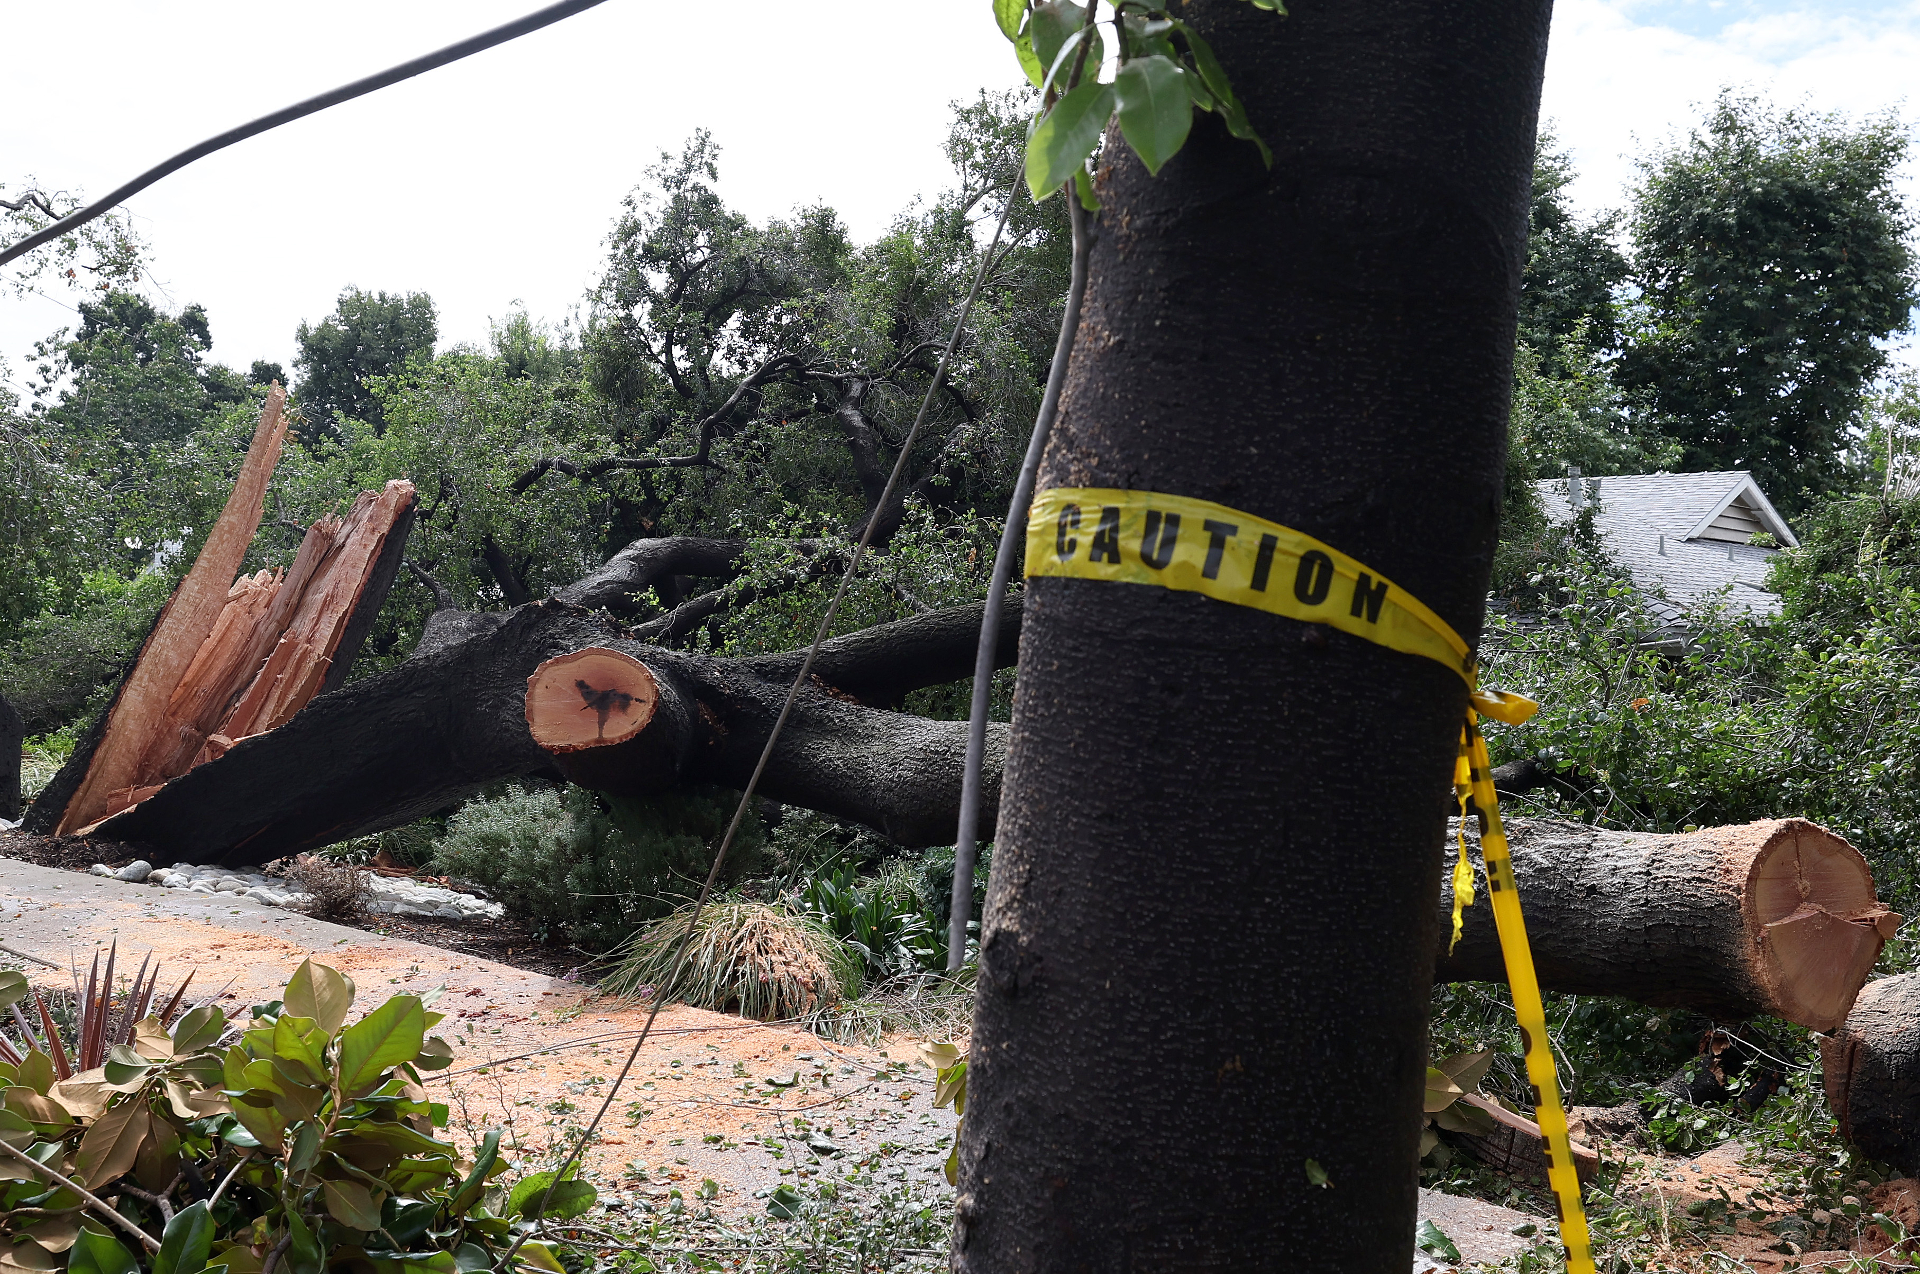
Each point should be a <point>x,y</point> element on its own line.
<point>1482,1231</point>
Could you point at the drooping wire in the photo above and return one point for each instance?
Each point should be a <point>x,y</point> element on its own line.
<point>345,93</point>
<point>987,260</point>
<point>1013,537</point>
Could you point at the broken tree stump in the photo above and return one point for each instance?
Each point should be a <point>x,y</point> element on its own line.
<point>1777,917</point>
<point>1516,1145</point>
<point>1871,1066</point>
<point>229,658</point>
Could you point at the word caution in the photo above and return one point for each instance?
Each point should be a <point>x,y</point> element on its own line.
<point>1195,546</point>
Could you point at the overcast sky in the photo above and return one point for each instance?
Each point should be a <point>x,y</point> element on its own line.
<point>493,182</point>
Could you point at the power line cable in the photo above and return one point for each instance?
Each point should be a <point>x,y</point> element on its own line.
<point>345,93</point>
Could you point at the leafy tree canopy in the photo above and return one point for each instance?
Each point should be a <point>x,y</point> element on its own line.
<point>1771,251</point>
<point>368,335</point>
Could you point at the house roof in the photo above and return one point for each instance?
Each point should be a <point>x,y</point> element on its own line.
<point>1686,532</point>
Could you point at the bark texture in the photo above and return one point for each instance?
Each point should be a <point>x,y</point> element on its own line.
<point>1212,899</point>
<point>1776,917</point>
<point>1872,1070</point>
<point>390,748</point>
<point>13,732</point>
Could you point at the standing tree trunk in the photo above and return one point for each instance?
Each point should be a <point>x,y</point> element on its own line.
<point>1210,931</point>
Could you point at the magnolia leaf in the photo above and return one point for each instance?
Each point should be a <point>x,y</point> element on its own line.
<point>27,1258</point>
<point>258,1115</point>
<point>1156,111</point>
<point>1434,1242</point>
<point>1464,1118</point>
<point>1066,136</point>
<point>939,1056</point>
<point>35,1071</point>
<point>186,1241</point>
<point>378,1042</point>
<point>320,992</point>
<point>1442,1092</point>
<point>1428,1140</point>
<point>200,1029</point>
<point>34,1108</point>
<point>19,1134</point>
<point>538,1256</point>
<point>784,1203</point>
<point>568,1199</point>
<point>56,1234</point>
<point>151,1041</point>
<point>305,1150</point>
<point>111,1145</point>
<point>124,1066</point>
<point>471,1258</point>
<point>303,1253</point>
<point>953,1162</point>
<point>298,1043</point>
<point>350,1203</point>
<point>96,1253</point>
<point>435,1055</point>
<point>85,1095</point>
<point>14,988</point>
<point>1467,1069</point>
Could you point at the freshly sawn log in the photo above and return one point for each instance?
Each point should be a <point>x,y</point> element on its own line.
<point>1776,917</point>
<point>1872,1070</point>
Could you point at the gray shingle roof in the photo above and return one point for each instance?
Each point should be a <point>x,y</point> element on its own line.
<point>1644,520</point>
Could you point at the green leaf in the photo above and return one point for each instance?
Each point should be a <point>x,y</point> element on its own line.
<point>186,1241</point>
<point>435,1055</point>
<point>1156,111</point>
<point>1010,14</point>
<point>1217,84</point>
<point>14,988</point>
<point>297,1049</point>
<point>1467,1069</point>
<point>124,1066</point>
<point>1029,63</point>
<point>1434,1242</point>
<point>305,1150</point>
<point>321,993</point>
<point>539,1256</point>
<point>351,1204</point>
<point>471,1258</point>
<point>35,1071</point>
<point>1442,1092</point>
<point>200,1029</point>
<point>569,1198</point>
<point>784,1204</point>
<point>1050,26</point>
<point>94,1253</point>
<point>378,1042</point>
<point>303,1253</point>
<point>1083,186</point>
<point>1317,1175</point>
<point>1066,137</point>
<point>483,1165</point>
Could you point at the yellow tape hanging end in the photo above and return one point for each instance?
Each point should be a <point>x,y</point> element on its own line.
<point>1463,866</point>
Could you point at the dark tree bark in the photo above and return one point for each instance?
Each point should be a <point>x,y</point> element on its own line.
<point>643,562</point>
<point>433,731</point>
<point>13,733</point>
<point>1872,1071</point>
<point>1212,900</point>
<point>1776,917</point>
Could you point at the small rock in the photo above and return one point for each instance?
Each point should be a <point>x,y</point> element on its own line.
<point>230,885</point>
<point>135,872</point>
<point>261,895</point>
<point>449,913</point>
<point>200,887</point>
<point>100,869</point>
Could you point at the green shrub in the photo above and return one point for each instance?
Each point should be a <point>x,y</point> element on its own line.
<point>588,868</point>
<point>64,666</point>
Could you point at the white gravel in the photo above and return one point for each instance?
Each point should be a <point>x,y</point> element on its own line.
<point>389,895</point>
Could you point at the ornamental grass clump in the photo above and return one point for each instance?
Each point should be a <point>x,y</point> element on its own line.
<point>760,961</point>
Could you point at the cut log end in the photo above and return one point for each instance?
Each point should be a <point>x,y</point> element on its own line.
<point>1815,923</point>
<point>591,698</point>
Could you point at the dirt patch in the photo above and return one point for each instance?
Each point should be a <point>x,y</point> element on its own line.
<point>73,853</point>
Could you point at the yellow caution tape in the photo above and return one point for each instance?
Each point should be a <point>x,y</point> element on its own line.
<point>1196,546</point>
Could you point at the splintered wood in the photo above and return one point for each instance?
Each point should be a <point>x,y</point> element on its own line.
<point>225,661</point>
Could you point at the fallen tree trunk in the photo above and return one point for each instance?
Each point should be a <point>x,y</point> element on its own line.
<point>1872,1071</point>
<point>1776,917</point>
<point>413,740</point>
<point>13,732</point>
<point>1515,1144</point>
